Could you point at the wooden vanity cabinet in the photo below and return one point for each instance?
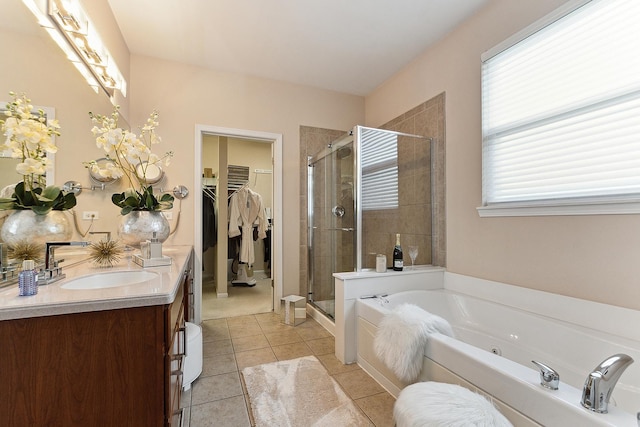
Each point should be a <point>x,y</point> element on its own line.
<point>175,353</point>
<point>102,368</point>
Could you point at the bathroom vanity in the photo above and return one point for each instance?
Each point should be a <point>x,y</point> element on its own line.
<point>111,355</point>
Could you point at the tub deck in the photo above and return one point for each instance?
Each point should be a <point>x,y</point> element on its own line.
<point>493,351</point>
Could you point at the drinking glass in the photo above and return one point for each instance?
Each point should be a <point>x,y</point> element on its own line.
<point>413,254</point>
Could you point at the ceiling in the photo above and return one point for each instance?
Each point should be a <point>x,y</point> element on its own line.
<point>349,46</point>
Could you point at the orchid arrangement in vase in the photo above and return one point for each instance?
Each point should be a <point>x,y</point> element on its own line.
<point>29,137</point>
<point>131,158</point>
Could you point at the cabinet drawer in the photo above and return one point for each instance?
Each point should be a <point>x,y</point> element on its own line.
<point>176,341</point>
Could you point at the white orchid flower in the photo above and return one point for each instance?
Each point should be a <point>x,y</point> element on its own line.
<point>31,167</point>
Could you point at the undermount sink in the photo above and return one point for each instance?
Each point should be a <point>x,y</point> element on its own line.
<point>110,280</point>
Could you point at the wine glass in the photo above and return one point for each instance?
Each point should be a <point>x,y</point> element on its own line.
<point>413,254</point>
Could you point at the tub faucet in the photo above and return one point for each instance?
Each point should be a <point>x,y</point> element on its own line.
<point>600,383</point>
<point>549,377</point>
<point>52,272</point>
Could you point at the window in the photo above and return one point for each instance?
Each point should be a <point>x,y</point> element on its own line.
<point>561,114</point>
<point>379,169</point>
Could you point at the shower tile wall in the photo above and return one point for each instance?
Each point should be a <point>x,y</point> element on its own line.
<point>415,221</point>
<point>418,224</point>
<point>312,140</point>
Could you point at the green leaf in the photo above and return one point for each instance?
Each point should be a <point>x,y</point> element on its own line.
<point>130,202</point>
<point>51,193</point>
<point>68,201</point>
<point>19,188</point>
<point>6,205</point>
<point>28,199</point>
<point>149,201</point>
<point>45,200</point>
<point>41,210</point>
<point>117,199</point>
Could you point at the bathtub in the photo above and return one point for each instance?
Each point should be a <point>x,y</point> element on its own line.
<point>492,354</point>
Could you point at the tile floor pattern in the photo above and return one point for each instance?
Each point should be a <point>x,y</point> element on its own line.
<point>241,300</point>
<point>216,398</point>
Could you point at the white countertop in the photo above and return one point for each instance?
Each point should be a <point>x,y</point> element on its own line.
<point>53,299</point>
<point>369,273</point>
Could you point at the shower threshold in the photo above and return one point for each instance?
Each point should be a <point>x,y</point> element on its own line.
<point>326,307</point>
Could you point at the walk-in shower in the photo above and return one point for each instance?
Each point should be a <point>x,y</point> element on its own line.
<point>363,189</point>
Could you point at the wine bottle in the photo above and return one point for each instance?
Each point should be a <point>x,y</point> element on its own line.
<point>397,255</point>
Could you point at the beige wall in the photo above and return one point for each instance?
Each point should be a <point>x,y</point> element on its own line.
<point>187,95</point>
<point>184,96</point>
<point>590,257</point>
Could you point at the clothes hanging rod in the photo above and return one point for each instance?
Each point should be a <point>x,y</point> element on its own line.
<point>245,185</point>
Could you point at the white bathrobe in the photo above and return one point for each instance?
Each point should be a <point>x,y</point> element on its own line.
<point>245,210</point>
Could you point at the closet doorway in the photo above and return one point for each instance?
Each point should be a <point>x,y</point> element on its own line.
<point>234,164</point>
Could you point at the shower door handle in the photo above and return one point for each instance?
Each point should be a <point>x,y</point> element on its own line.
<point>340,229</point>
<point>338,211</point>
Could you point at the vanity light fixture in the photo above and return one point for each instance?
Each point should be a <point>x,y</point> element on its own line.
<point>70,27</point>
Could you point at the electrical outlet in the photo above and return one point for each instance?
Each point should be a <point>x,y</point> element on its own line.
<point>89,215</point>
<point>168,215</point>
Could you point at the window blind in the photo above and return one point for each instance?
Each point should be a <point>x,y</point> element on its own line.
<point>561,109</point>
<point>379,160</point>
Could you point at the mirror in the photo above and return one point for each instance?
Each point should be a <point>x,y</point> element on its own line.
<point>99,180</point>
<point>35,65</point>
<point>150,173</point>
<point>8,174</point>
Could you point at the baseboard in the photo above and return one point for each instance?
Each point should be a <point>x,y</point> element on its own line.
<point>391,388</point>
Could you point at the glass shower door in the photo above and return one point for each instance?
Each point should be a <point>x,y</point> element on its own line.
<point>331,221</point>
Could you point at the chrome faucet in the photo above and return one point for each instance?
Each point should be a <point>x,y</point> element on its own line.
<point>549,377</point>
<point>600,383</point>
<point>52,271</point>
<point>106,233</point>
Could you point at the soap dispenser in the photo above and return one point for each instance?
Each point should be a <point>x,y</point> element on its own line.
<point>155,247</point>
<point>27,279</point>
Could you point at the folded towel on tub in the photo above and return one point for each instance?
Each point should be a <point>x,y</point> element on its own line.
<point>401,338</point>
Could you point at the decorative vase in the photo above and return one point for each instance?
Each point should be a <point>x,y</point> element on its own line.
<point>139,226</point>
<point>24,225</point>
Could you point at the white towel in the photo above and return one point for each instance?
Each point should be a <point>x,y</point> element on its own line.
<point>402,336</point>
<point>432,404</point>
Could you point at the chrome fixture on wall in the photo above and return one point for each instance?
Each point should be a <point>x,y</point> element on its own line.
<point>98,180</point>
<point>180,192</point>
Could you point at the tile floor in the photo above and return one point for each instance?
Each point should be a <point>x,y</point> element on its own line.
<point>241,300</point>
<point>216,398</point>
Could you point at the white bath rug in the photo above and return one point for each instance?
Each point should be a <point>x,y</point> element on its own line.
<point>298,392</point>
<point>433,404</point>
<point>401,338</point>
